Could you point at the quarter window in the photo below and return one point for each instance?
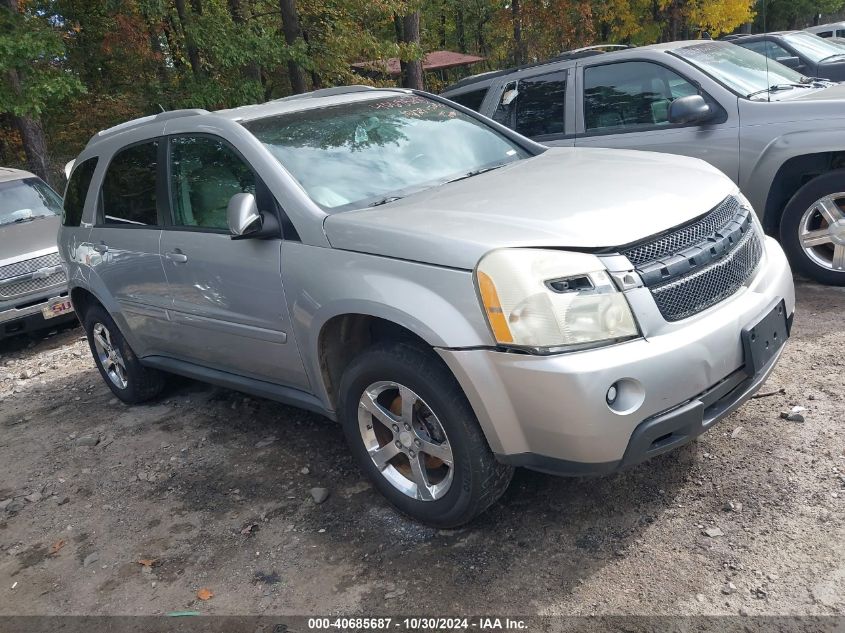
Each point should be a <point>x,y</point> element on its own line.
<point>540,105</point>
<point>631,95</point>
<point>129,187</point>
<point>205,174</point>
<point>77,191</point>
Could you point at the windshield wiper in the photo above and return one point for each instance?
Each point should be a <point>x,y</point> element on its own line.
<point>475,172</point>
<point>824,59</point>
<point>378,203</point>
<point>776,88</point>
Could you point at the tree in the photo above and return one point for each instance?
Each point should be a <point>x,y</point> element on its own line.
<point>292,32</point>
<point>412,70</point>
<point>32,79</point>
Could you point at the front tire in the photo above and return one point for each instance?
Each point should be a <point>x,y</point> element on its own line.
<point>415,435</point>
<point>812,230</point>
<point>121,370</point>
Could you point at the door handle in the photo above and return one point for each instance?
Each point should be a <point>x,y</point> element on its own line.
<point>176,257</point>
<point>101,248</point>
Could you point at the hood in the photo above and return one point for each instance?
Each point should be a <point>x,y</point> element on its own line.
<point>565,197</point>
<point>19,240</point>
<point>834,94</point>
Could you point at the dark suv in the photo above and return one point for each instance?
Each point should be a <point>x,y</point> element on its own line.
<point>776,133</point>
<point>805,52</point>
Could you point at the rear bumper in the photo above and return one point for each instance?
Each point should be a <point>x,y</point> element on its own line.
<point>29,317</point>
<point>551,412</point>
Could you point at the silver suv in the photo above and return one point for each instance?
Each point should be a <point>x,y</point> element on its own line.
<point>33,289</point>
<point>778,134</point>
<point>461,299</point>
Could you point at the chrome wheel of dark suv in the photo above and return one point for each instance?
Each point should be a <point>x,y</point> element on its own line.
<point>822,232</point>
<point>812,229</point>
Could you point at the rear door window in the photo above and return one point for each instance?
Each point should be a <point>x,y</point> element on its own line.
<point>540,105</point>
<point>471,100</point>
<point>129,187</point>
<point>77,191</point>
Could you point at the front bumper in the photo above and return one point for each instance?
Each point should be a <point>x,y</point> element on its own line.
<point>550,412</point>
<point>28,317</point>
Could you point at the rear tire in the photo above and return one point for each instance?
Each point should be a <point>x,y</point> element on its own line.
<point>413,385</point>
<point>812,229</point>
<point>121,370</point>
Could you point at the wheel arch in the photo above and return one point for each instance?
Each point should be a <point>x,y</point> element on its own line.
<point>344,335</point>
<point>793,174</point>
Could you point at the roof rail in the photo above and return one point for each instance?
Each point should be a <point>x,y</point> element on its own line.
<point>328,92</point>
<point>586,51</point>
<point>162,116</point>
<point>589,50</point>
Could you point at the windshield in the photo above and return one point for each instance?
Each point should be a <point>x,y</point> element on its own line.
<point>368,152</point>
<point>27,199</point>
<point>814,47</point>
<point>743,71</point>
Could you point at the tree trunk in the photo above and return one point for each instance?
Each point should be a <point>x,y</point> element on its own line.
<point>413,75</point>
<point>290,27</point>
<point>460,33</point>
<point>193,52</point>
<point>443,24</point>
<point>32,134</point>
<point>34,145</point>
<point>518,48</point>
<point>316,80</point>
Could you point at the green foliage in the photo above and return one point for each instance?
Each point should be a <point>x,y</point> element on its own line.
<point>84,65</point>
<point>773,15</point>
<point>31,62</point>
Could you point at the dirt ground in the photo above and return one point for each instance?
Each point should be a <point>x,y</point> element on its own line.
<point>211,489</point>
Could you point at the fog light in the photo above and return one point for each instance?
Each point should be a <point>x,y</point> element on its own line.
<point>611,394</point>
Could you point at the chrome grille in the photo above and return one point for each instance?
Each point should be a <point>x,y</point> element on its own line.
<point>694,267</point>
<point>29,265</point>
<point>705,288</point>
<point>29,286</point>
<point>689,235</point>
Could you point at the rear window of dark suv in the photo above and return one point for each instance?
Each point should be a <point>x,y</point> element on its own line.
<point>77,191</point>
<point>471,100</point>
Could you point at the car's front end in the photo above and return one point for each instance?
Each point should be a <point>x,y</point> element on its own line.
<point>33,286</point>
<point>622,306</point>
<point>590,376</point>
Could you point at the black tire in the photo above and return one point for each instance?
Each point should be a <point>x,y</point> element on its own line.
<point>142,383</point>
<point>478,478</point>
<point>790,225</point>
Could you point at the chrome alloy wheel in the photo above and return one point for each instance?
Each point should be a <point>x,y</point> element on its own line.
<point>109,356</point>
<point>821,232</point>
<point>405,440</point>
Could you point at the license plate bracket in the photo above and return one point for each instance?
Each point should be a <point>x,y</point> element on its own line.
<point>763,338</point>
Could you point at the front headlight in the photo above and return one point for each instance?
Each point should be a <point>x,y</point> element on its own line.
<point>551,301</point>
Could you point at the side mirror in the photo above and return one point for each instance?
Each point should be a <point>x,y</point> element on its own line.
<point>243,216</point>
<point>691,109</point>
<point>789,62</point>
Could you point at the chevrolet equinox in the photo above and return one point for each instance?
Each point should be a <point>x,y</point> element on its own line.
<point>461,299</point>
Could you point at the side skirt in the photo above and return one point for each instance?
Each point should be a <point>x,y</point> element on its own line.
<point>252,386</point>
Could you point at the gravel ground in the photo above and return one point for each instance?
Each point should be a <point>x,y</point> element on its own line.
<point>108,509</point>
